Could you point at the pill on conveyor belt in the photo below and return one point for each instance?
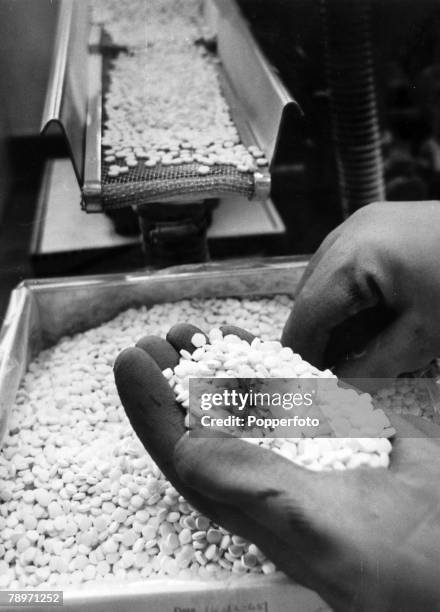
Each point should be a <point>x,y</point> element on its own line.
<point>256,152</point>
<point>199,122</point>
<point>203,169</point>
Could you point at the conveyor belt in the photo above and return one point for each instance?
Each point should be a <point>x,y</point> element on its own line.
<point>259,104</point>
<point>141,185</point>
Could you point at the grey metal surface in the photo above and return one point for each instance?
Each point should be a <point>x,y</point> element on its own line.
<point>257,98</point>
<point>61,231</point>
<point>69,305</point>
<point>66,99</point>
<point>92,191</point>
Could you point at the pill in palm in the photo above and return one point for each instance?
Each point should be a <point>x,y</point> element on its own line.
<point>346,410</point>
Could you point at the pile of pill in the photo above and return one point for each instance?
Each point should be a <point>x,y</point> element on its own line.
<point>136,23</point>
<point>417,397</point>
<point>82,502</point>
<point>164,105</point>
<point>359,431</point>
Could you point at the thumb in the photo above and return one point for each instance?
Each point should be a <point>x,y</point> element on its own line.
<point>259,482</point>
<point>402,347</point>
<point>334,292</point>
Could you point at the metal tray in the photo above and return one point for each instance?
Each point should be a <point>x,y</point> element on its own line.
<point>42,311</point>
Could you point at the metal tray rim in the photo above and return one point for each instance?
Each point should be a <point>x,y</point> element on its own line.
<point>211,269</point>
<point>156,593</point>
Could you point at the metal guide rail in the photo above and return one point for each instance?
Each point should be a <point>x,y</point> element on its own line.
<point>262,109</point>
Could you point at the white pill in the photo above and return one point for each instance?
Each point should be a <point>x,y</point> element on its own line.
<point>42,497</point>
<point>129,538</point>
<point>198,340</point>
<point>60,523</point>
<point>119,515</point>
<point>89,572</point>
<point>103,568</point>
<point>54,509</point>
<point>127,559</point>
<point>110,546</point>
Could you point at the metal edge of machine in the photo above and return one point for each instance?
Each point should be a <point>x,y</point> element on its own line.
<point>91,189</point>
<point>65,108</point>
<point>253,87</point>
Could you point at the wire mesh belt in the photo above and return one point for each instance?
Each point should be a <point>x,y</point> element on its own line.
<point>141,185</point>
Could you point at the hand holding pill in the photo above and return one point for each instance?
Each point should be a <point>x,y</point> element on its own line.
<point>369,300</point>
<point>366,539</point>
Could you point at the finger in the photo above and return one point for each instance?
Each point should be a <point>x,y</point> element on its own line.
<point>237,331</point>
<point>416,457</point>
<point>416,445</point>
<point>150,404</point>
<point>427,428</point>
<point>258,481</point>
<point>401,347</point>
<point>251,472</point>
<point>155,416</point>
<point>308,510</point>
<point>405,425</point>
<point>352,335</point>
<point>180,336</point>
<point>160,350</point>
<point>334,292</point>
<point>319,255</point>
